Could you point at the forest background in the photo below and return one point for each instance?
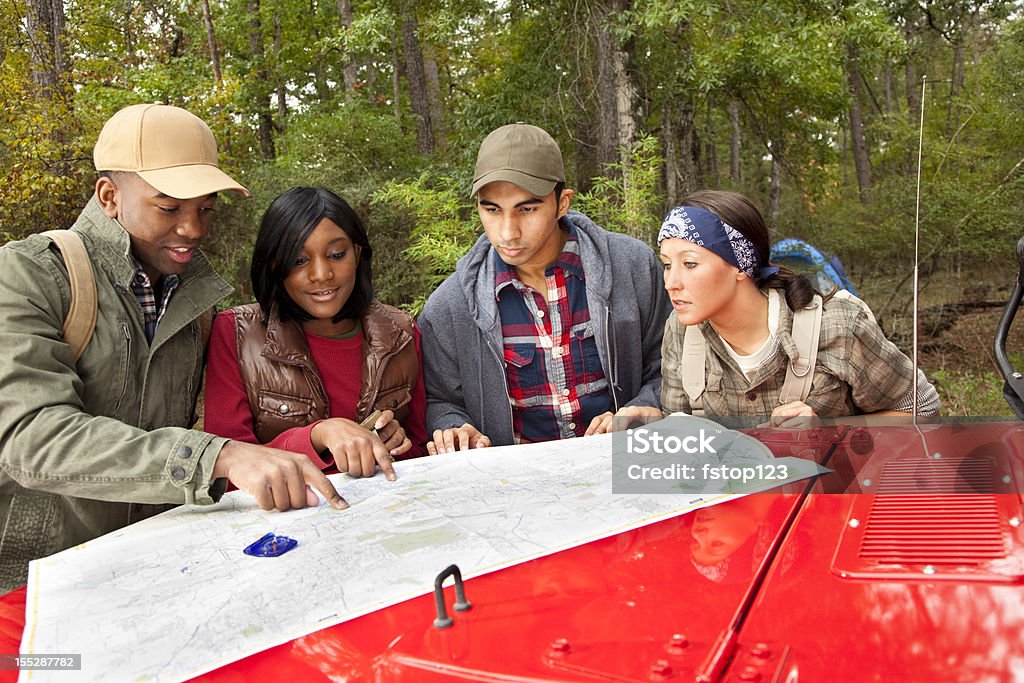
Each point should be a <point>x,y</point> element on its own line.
<point>810,107</point>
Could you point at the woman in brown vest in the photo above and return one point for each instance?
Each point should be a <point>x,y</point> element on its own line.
<point>317,355</point>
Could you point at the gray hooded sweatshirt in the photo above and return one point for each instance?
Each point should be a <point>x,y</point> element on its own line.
<point>463,351</point>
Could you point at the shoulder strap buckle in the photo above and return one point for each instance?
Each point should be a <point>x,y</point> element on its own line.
<point>800,371</point>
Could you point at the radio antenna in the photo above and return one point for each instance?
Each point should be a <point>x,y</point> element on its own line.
<point>917,237</point>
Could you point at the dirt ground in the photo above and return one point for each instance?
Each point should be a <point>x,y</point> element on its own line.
<point>958,316</point>
<point>956,322</point>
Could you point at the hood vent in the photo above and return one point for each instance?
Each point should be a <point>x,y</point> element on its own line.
<point>933,520</point>
<point>946,475</point>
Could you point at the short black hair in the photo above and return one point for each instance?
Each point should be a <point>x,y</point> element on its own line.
<point>284,229</point>
<point>113,176</point>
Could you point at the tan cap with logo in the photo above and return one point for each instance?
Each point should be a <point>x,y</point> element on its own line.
<point>521,154</point>
<point>168,147</point>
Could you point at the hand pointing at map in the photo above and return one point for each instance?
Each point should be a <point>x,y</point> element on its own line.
<point>277,479</point>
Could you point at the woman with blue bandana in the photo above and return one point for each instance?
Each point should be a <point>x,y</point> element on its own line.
<point>732,348</point>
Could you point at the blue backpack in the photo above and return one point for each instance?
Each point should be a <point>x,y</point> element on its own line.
<point>824,272</point>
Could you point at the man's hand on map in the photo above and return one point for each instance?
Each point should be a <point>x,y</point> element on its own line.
<point>277,479</point>
<point>356,450</point>
<point>604,422</point>
<point>457,439</point>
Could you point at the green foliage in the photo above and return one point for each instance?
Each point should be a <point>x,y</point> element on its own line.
<point>441,233</point>
<point>785,66</point>
<point>347,149</point>
<point>974,394</point>
<point>370,34</point>
<point>972,175</point>
<point>626,200</point>
<point>41,163</point>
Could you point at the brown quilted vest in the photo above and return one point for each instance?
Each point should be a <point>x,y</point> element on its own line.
<point>283,383</point>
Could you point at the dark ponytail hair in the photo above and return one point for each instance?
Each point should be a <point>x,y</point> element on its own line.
<point>740,213</point>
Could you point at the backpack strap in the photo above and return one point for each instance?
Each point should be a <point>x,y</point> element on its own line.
<point>693,364</point>
<point>81,318</point>
<point>205,325</point>
<point>800,371</point>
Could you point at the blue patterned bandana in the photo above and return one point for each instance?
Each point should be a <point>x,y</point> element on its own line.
<point>707,230</point>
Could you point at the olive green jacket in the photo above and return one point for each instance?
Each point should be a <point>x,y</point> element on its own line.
<point>86,450</point>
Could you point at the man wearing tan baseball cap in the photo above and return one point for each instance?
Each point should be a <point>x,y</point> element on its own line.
<point>550,325</point>
<point>171,149</point>
<point>91,443</point>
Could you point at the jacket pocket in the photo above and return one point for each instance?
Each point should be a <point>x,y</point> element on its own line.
<point>278,412</point>
<point>284,406</point>
<point>126,366</point>
<point>394,398</point>
<point>715,397</point>
<point>589,358</point>
<point>528,375</point>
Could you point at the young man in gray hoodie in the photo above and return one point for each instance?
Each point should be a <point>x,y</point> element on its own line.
<point>550,325</point>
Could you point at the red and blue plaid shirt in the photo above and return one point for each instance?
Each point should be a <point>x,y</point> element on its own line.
<point>555,380</point>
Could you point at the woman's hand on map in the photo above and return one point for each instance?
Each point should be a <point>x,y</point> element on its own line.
<point>356,450</point>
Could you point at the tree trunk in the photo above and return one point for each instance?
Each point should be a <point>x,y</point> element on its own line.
<point>262,96</point>
<point>45,24</point>
<point>282,94</point>
<point>211,43</point>
<point>323,91</point>
<point>415,74</point>
<point>710,174</point>
<point>956,81</point>
<point>887,88</point>
<point>668,141</point>
<point>774,188</point>
<point>844,156</point>
<point>616,91</point>
<point>396,80</point>
<point>861,161</point>
<point>734,142</point>
<point>910,75</point>
<point>129,38</point>
<point>687,147</point>
<point>434,99</point>
<point>178,36</point>
<point>348,69</point>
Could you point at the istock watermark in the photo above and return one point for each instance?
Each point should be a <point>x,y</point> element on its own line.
<point>691,455</point>
<point>644,440</point>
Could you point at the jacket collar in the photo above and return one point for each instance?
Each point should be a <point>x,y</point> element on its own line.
<point>785,331</point>
<point>286,342</point>
<point>381,333</point>
<point>111,246</point>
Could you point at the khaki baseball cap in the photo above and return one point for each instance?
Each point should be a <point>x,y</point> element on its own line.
<point>168,147</point>
<point>521,154</point>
